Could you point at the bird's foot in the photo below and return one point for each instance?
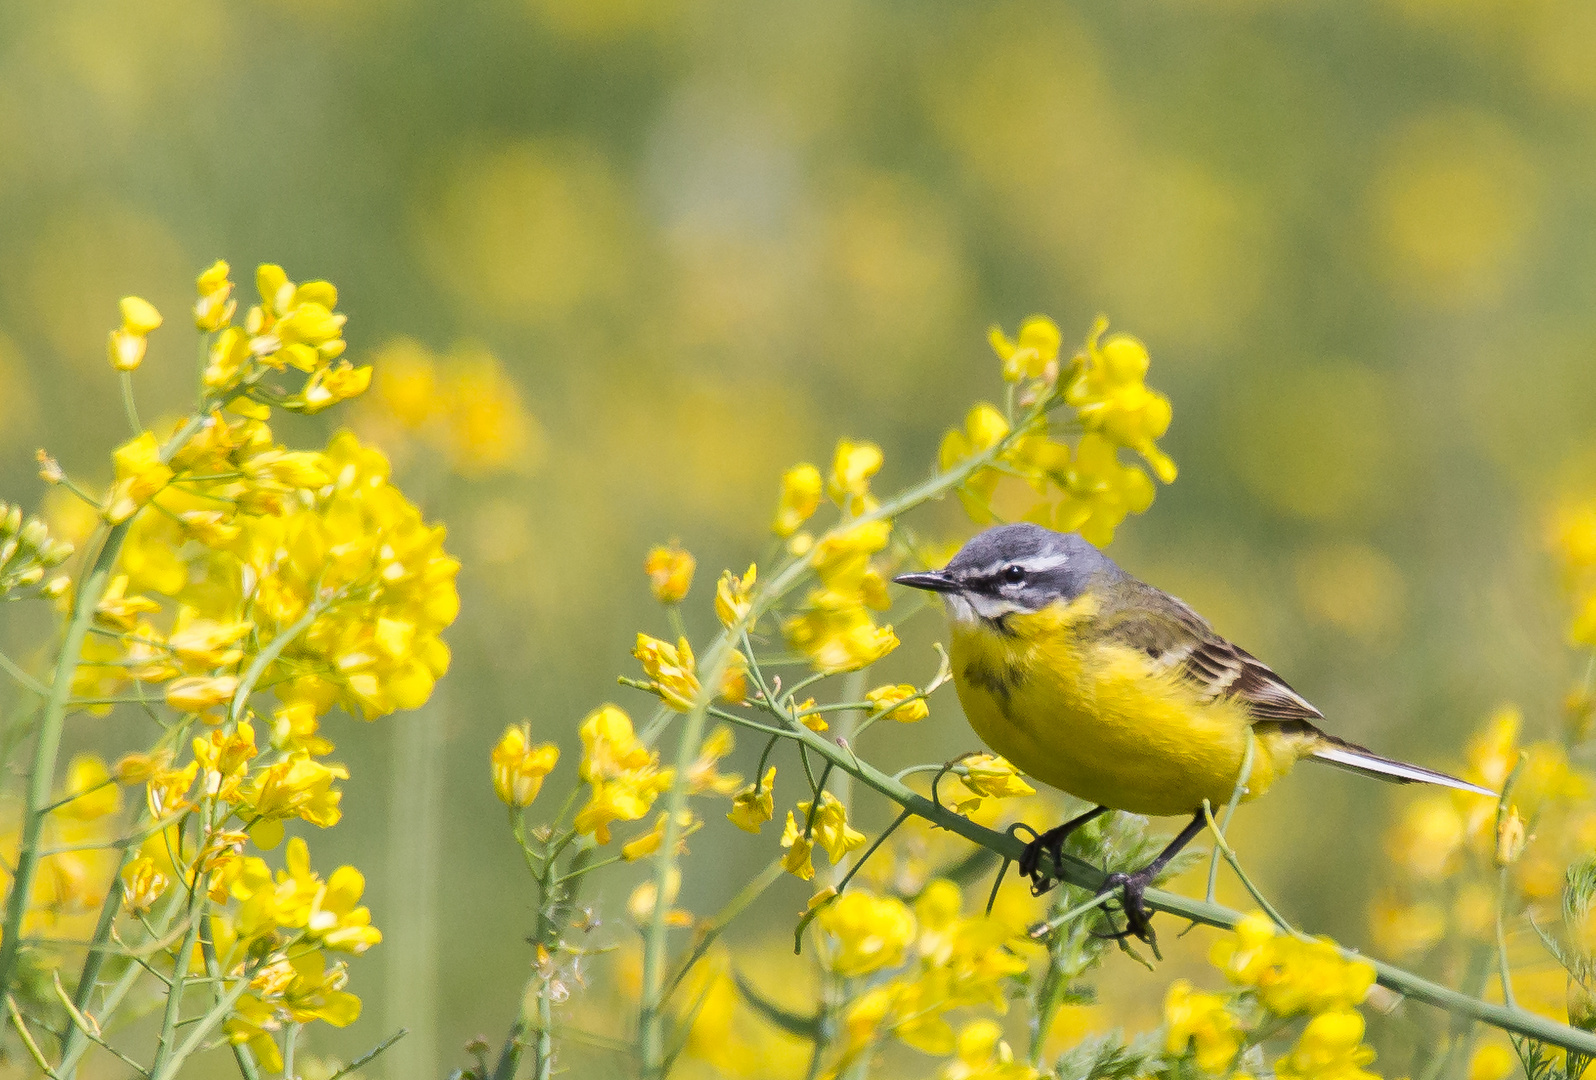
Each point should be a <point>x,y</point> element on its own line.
<point>1051,844</point>
<point>1132,889</point>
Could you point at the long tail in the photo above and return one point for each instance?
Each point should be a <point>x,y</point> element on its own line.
<point>1358,760</point>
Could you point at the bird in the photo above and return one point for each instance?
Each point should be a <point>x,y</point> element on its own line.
<point>1113,691</point>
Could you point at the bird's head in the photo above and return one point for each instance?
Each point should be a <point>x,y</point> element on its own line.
<point>1011,569</point>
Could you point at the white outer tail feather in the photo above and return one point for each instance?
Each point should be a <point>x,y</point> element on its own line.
<point>1361,761</point>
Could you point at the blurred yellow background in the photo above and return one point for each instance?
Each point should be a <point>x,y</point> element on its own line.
<point>697,241</point>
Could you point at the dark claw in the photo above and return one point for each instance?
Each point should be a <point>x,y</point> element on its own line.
<point>1050,843</point>
<point>1131,887</point>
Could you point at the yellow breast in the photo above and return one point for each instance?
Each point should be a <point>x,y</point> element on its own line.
<point>1095,719</point>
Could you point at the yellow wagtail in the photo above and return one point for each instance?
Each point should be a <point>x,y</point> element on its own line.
<point>1116,692</point>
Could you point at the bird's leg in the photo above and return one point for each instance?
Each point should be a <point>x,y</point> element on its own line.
<point>1052,844</point>
<point>1138,920</point>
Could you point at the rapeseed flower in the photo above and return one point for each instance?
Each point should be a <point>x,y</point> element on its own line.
<point>801,489</point>
<point>519,768</point>
<point>671,670</point>
<point>734,595</point>
<point>215,307</point>
<point>1291,976</point>
<point>755,804</point>
<point>670,573</point>
<point>1200,1021</point>
<point>870,932</point>
<point>902,703</point>
<point>127,344</point>
<point>1034,352</point>
<point>1110,397</point>
<point>1329,1048</point>
<point>830,827</point>
<point>981,1054</point>
<point>851,469</point>
<point>623,774</point>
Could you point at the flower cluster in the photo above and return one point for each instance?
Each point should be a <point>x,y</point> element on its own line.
<point>1281,976</point>
<point>833,627</point>
<point>623,774</point>
<point>1084,488</point>
<point>935,959</point>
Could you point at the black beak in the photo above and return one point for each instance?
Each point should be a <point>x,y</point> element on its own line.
<point>933,580</point>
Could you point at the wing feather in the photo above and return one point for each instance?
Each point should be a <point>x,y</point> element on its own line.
<point>1176,638</point>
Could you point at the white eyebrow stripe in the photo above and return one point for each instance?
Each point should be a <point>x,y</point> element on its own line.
<point>1036,565</point>
<point>1050,562</point>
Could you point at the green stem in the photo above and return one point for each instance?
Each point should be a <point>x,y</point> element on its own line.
<point>651,1015</point>
<point>41,773</point>
<point>128,406</point>
<point>202,1028</point>
<point>174,995</point>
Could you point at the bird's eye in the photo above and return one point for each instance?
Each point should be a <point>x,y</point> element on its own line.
<point>1014,573</point>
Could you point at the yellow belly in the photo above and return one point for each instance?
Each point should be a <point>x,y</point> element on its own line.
<point>1096,721</point>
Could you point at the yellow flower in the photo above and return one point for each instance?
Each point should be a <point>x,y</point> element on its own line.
<point>140,473</point>
<point>704,774</point>
<point>1193,1017</point>
<point>622,772</point>
<point>196,693</point>
<point>983,1055</point>
<point>800,851</point>
<point>224,759</point>
<point>296,990</point>
<point>137,768</point>
<point>91,788</point>
<point>1492,1061</point>
<point>486,429</point>
<point>831,829</point>
<point>646,844</point>
<point>126,345</point>
<point>1098,492</point>
<point>650,841</point>
<point>168,790</point>
<point>1112,400</point>
<point>142,884</point>
<point>1329,1047</point>
<point>895,701</point>
<point>989,776</point>
<point>215,306</point>
<point>1033,353</point>
<point>670,669</point>
<point>670,573</point>
<point>851,470</point>
<point>800,498</point>
<point>1291,975</point>
<point>984,428</point>
<point>298,786</point>
<point>734,679</point>
<point>294,727</point>
<point>139,315</point>
<point>519,768</point>
<point>871,932</point>
<point>755,804</point>
<point>733,595</point>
